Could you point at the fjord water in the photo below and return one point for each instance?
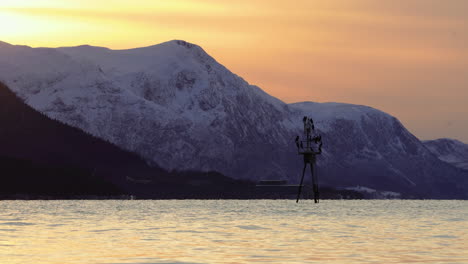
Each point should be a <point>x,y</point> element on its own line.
<point>230,231</point>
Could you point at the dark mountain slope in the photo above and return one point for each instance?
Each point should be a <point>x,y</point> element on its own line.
<point>43,157</point>
<point>48,157</point>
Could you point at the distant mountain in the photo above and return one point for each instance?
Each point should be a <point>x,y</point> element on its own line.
<point>368,148</point>
<point>449,150</point>
<point>178,108</point>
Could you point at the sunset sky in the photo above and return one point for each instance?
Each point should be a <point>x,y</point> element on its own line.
<point>406,57</point>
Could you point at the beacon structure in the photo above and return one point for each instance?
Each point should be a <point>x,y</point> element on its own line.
<point>309,148</point>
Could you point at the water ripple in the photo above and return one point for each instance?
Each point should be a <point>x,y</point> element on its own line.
<point>17,223</point>
<point>195,231</point>
<point>251,227</point>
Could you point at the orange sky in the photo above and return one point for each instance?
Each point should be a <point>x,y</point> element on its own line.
<point>406,57</point>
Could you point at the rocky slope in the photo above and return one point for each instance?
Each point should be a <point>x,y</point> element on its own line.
<point>177,107</point>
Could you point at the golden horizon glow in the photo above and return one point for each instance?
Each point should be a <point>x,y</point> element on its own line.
<point>398,56</point>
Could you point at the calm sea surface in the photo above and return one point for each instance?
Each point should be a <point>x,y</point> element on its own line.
<point>255,231</point>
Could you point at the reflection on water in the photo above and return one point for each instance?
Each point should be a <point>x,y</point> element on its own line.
<point>193,231</point>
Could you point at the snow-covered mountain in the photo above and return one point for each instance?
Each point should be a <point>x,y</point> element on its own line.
<point>177,107</point>
<point>449,150</point>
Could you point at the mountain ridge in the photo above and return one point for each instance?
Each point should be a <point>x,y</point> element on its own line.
<point>172,104</point>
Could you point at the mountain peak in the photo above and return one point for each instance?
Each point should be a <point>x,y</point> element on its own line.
<point>4,44</point>
<point>88,47</point>
<point>446,141</point>
<point>177,46</point>
<point>165,47</point>
<point>183,43</point>
<point>333,110</point>
<point>168,44</point>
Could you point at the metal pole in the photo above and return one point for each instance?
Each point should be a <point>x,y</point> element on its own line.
<point>314,182</point>
<point>300,185</point>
